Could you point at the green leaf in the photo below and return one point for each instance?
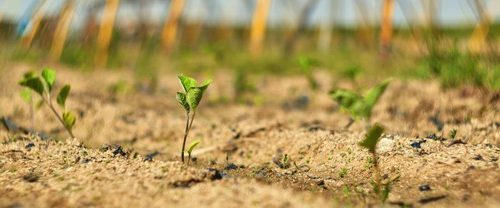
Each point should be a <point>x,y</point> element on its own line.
<point>187,82</point>
<point>33,83</point>
<point>49,76</point>
<point>69,119</point>
<point>193,97</point>
<point>373,95</point>
<point>181,98</point>
<point>195,94</point>
<point>372,137</point>
<point>63,94</point>
<point>192,146</point>
<point>26,95</point>
<point>29,74</point>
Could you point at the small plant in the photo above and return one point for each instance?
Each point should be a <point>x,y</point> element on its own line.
<point>242,84</point>
<point>189,100</point>
<point>44,86</point>
<point>343,172</point>
<point>306,65</point>
<point>453,134</point>
<point>359,106</point>
<point>370,143</point>
<point>191,147</point>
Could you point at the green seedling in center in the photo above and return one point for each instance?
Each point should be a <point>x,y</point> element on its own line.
<point>359,106</point>
<point>43,86</point>
<point>190,100</point>
<point>370,143</point>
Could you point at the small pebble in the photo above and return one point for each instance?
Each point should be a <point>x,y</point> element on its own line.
<point>424,187</point>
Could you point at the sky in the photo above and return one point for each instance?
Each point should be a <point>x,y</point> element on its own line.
<point>282,12</point>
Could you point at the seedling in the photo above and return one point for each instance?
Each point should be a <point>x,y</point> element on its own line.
<point>306,65</point>
<point>359,106</point>
<point>242,84</point>
<point>191,147</point>
<point>190,100</point>
<point>453,134</point>
<point>370,143</point>
<point>43,86</point>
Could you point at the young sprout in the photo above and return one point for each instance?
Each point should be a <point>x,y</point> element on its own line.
<point>306,65</point>
<point>43,86</point>
<point>370,143</point>
<point>191,147</point>
<point>453,134</point>
<point>359,106</point>
<point>189,100</point>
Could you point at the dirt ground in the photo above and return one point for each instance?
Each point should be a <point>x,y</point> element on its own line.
<point>127,150</point>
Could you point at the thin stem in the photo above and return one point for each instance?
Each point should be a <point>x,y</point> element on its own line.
<point>192,119</point>
<point>32,113</point>
<point>186,131</point>
<point>58,116</point>
<point>377,172</point>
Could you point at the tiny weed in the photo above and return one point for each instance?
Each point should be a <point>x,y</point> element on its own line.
<point>358,106</point>
<point>343,172</point>
<point>43,86</point>
<point>370,143</point>
<point>306,65</point>
<point>453,134</point>
<point>189,100</point>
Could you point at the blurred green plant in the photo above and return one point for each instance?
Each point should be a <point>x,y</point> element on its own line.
<point>242,85</point>
<point>306,65</point>
<point>359,106</point>
<point>189,100</point>
<point>370,143</point>
<point>352,72</point>
<point>43,86</point>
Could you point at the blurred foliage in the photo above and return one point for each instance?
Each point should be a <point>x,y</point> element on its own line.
<point>347,59</point>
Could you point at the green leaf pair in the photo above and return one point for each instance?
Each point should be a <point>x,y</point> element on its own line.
<point>43,85</point>
<point>356,105</point>
<point>192,95</point>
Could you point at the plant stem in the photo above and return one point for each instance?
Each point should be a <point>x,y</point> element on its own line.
<point>186,131</point>
<point>32,114</point>
<point>192,119</point>
<point>49,103</point>
<point>377,172</point>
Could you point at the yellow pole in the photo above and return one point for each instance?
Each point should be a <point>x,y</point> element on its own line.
<point>61,31</point>
<point>386,30</point>
<point>169,32</point>
<point>105,31</point>
<point>477,41</point>
<point>35,24</point>
<point>258,28</point>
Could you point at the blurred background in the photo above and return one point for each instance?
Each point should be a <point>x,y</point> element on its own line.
<point>455,41</point>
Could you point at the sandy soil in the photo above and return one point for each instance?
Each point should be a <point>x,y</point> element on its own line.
<point>127,150</point>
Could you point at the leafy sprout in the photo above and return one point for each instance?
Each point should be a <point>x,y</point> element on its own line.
<point>370,143</point>
<point>190,100</point>
<point>359,106</point>
<point>306,64</point>
<point>44,86</point>
<point>191,147</point>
